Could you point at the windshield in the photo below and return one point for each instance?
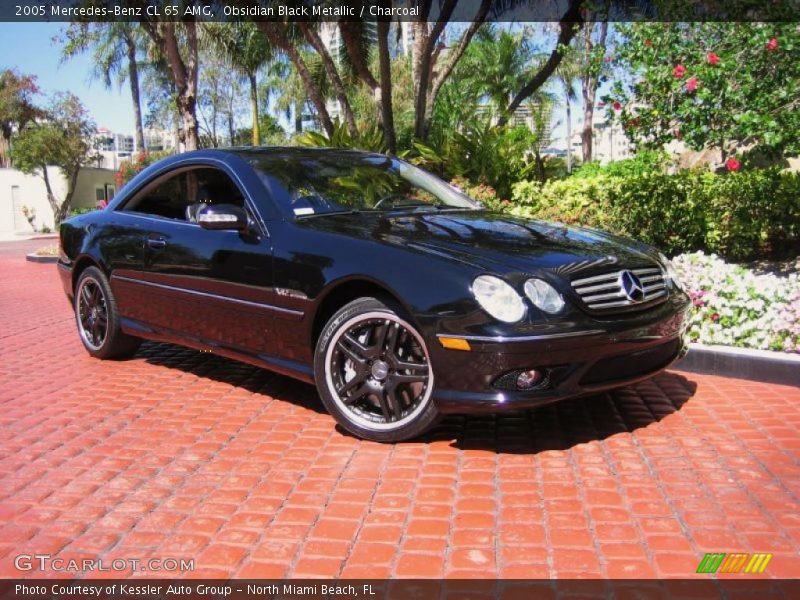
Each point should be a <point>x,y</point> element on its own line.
<point>321,183</point>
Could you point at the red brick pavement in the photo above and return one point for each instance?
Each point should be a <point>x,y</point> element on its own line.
<point>181,454</point>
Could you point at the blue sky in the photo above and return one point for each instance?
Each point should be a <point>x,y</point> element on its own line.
<point>29,48</point>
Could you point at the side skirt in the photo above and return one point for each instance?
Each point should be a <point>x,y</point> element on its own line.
<point>290,368</point>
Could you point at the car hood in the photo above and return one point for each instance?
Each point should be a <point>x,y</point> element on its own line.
<point>492,241</point>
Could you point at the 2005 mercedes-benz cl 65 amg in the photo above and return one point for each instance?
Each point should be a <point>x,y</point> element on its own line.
<point>397,295</point>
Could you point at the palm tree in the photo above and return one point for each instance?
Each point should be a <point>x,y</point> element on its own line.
<point>247,51</point>
<point>115,48</point>
<point>541,104</point>
<point>500,61</point>
<point>567,72</point>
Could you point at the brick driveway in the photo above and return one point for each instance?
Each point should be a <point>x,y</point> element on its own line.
<point>181,454</point>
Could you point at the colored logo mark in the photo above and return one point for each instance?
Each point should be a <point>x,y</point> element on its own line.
<point>741,562</point>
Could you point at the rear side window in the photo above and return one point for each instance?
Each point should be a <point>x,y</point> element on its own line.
<point>178,195</point>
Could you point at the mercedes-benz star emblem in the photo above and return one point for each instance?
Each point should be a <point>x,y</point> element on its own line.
<point>631,287</point>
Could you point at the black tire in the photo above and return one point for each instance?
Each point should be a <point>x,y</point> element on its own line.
<point>379,363</point>
<point>97,318</point>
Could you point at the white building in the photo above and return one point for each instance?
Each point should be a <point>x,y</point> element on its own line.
<point>21,194</point>
<point>113,148</point>
<point>160,140</point>
<point>609,142</point>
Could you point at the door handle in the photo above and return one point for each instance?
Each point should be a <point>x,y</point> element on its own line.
<point>157,243</point>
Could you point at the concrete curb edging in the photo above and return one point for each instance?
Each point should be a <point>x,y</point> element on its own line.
<point>40,258</point>
<point>756,365</point>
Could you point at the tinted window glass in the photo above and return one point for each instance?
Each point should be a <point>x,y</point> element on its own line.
<point>178,196</point>
<point>322,183</point>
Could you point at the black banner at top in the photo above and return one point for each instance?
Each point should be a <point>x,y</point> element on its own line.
<point>399,10</point>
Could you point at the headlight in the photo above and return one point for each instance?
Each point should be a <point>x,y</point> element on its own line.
<point>544,296</point>
<point>498,298</point>
<point>672,274</point>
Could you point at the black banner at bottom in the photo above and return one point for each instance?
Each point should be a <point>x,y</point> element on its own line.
<point>400,589</point>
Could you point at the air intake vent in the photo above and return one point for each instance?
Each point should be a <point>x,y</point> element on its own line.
<point>621,289</point>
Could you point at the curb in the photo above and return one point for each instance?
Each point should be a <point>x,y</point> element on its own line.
<point>41,259</point>
<point>755,365</point>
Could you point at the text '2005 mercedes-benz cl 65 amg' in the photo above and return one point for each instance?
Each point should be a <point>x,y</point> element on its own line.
<point>397,295</point>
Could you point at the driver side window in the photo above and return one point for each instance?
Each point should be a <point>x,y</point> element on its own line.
<point>180,195</point>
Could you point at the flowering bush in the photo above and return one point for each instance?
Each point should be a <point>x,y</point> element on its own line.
<point>483,193</point>
<point>734,306</point>
<point>130,168</point>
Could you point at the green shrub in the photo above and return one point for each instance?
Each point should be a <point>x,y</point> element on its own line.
<point>644,162</point>
<point>736,215</point>
<point>81,210</point>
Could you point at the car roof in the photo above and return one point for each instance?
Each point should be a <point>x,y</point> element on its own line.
<point>290,151</point>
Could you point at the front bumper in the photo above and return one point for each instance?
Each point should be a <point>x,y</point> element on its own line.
<point>604,356</point>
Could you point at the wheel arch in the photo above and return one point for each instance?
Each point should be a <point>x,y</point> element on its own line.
<point>81,264</point>
<point>345,291</point>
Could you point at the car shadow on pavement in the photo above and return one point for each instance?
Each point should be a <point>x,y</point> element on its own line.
<point>554,427</point>
<point>571,422</point>
<point>232,372</point>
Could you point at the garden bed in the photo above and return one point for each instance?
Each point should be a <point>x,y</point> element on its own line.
<point>737,306</point>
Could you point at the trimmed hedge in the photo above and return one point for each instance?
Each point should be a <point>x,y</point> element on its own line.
<point>744,215</point>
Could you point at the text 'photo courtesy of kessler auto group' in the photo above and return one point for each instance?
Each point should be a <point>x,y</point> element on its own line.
<point>399,299</point>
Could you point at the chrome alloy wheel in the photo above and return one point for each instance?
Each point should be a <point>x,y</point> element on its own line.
<point>378,371</point>
<point>92,313</point>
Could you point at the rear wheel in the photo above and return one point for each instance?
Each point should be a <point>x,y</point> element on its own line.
<point>97,317</point>
<point>373,373</point>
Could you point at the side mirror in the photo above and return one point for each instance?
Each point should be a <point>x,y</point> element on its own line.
<point>222,216</point>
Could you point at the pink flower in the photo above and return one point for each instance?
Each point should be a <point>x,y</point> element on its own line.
<point>713,59</point>
<point>648,43</point>
<point>732,164</point>
<point>679,71</point>
<point>616,105</point>
<point>772,44</point>
<point>715,317</point>
<point>601,104</point>
<point>691,84</point>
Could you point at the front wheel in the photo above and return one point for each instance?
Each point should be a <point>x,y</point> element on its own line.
<point>373,373</point>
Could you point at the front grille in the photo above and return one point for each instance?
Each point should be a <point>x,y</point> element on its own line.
<point>631,366</point>
<point>604,292</point>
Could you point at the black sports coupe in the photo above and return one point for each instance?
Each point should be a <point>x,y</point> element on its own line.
<point>400,297</point>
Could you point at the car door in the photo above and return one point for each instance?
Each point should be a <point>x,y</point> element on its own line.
<point>212,287</point>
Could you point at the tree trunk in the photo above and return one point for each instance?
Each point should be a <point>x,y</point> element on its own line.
<point>569,133</point>
<point>254,109</point>
<point>453,57</point>
<point>568,27</point>
<point>71,182</point>
<point>274,34</point>
<point>298,117</point>
<point>425,52</point>
<point>589,91</point>
<point>539,166</point>
<point>184,73</point>
<point>387,111</point>
<point>133,76</point>
<point>51,198</point>
<point>5,150</point>
<point>333,74</point>
<point>420,62</point>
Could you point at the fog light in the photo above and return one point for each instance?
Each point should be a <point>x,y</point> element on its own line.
<point>528,379</point>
